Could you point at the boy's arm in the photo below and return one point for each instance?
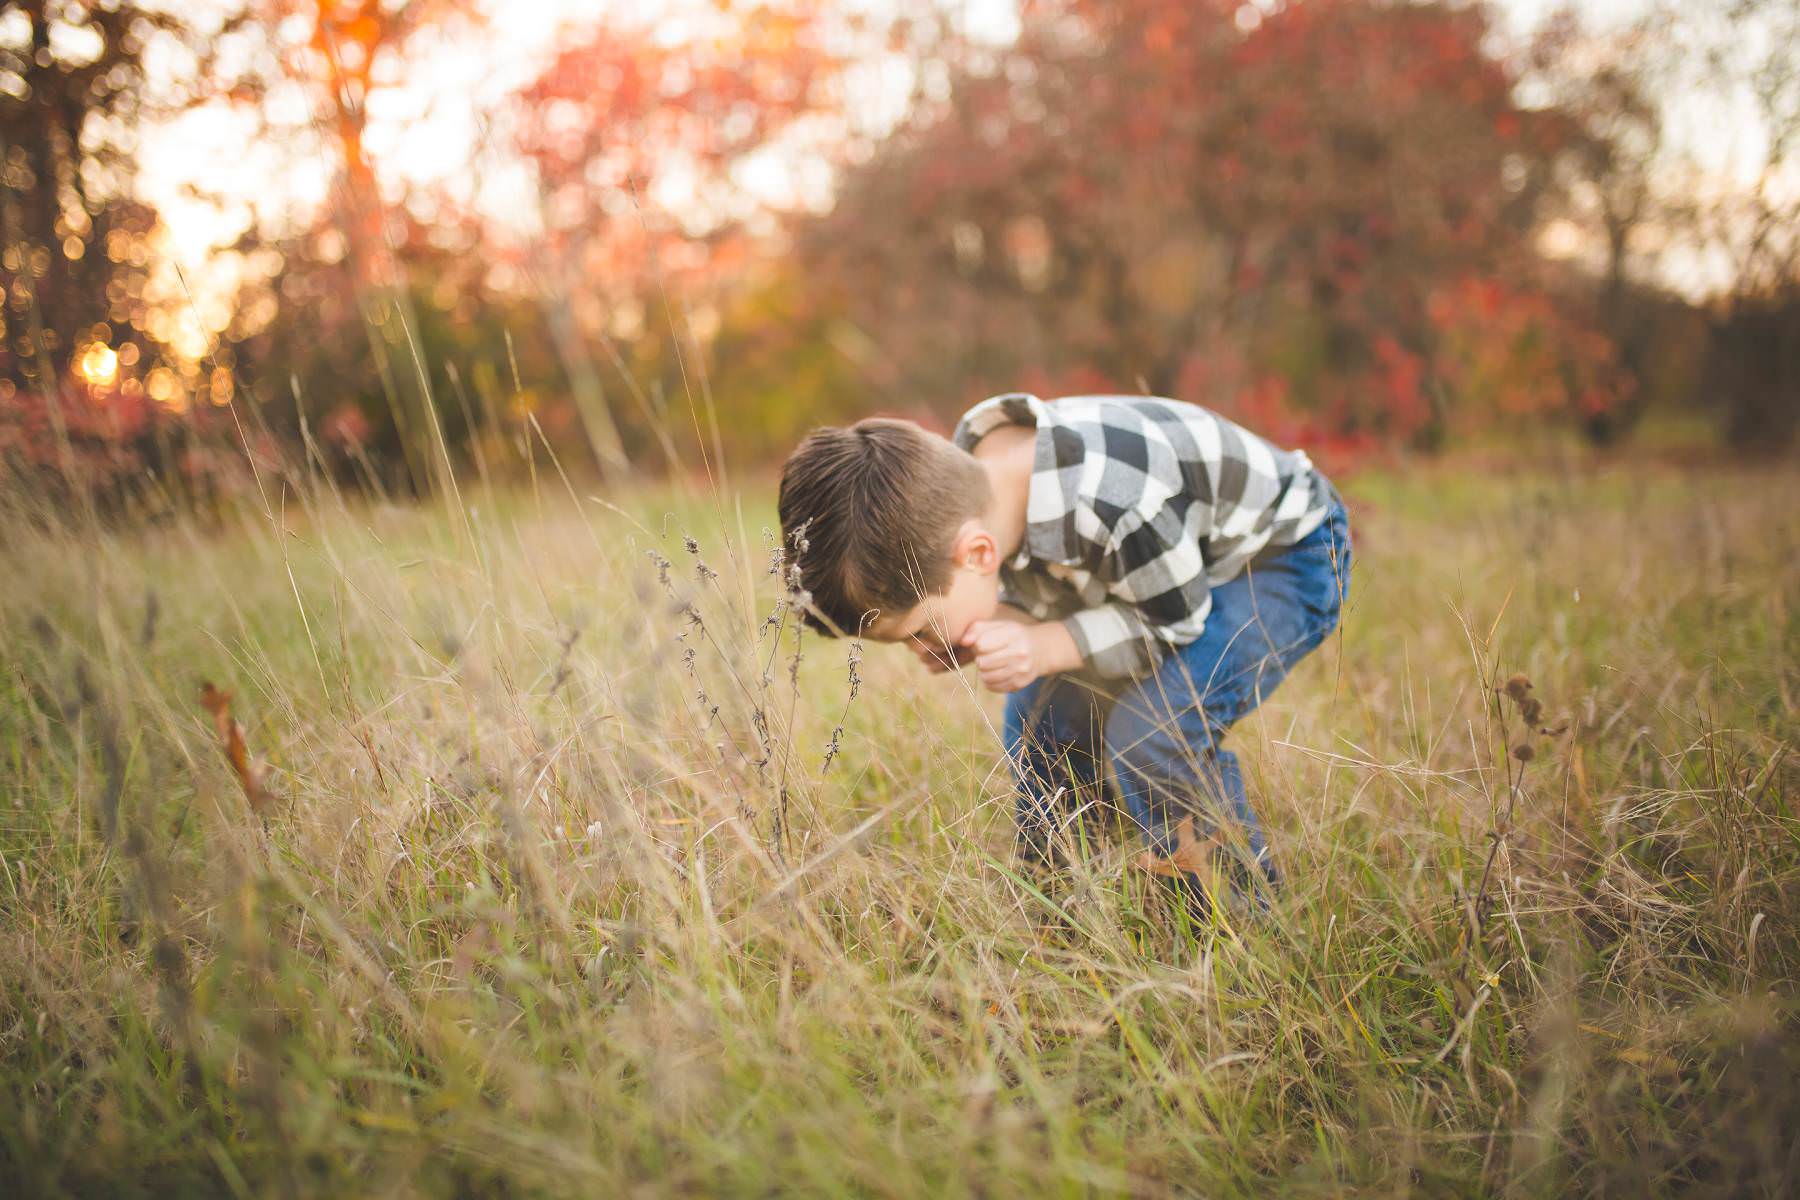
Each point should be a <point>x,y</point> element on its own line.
<point>1154,572</point>
<point>1011,654</point>
<point>1156,576</point>
<point>1054,648</point>
<point>1119,643</point>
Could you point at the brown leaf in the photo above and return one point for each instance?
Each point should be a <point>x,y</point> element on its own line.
<point>250,773</point>
<point>1192,852</point>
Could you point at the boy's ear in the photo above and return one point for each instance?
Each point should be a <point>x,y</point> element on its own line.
<point>975,548</point>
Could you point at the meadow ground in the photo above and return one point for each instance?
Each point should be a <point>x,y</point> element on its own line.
<point>530,875</point>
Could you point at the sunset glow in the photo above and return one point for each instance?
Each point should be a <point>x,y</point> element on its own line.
<point>99,365</point>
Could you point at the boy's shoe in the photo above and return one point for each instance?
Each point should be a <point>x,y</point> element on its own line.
<point>1191,894</point>
<point>1202,867</point>
<point>1243,903</point>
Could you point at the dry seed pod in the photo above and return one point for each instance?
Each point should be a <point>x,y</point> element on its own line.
<point>1524,752</point>
<point>1518,686</point>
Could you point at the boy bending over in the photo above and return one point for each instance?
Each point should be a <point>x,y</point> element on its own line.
<point>1137,573</point>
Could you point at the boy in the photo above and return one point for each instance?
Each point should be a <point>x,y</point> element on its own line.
<point>1136,572</point>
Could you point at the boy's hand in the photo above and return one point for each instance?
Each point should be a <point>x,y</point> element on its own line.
<point>1009,655</point>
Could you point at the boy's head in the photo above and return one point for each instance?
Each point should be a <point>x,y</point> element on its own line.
<point>895,545</point>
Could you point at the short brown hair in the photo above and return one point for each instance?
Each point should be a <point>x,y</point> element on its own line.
<point>879,502</point>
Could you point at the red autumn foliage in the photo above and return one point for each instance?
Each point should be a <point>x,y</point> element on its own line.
<point>621,112</point>
<point>1260,218</point>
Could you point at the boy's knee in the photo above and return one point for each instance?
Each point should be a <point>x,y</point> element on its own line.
<point>1151,744</point>
<point>1012,724</point>
<point>1028,715</point>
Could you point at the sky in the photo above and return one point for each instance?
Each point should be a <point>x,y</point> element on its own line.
<point>428,128</point>
<point>210,174</point>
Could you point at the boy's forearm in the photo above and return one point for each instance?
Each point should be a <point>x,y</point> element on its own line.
<point>1054,648</point>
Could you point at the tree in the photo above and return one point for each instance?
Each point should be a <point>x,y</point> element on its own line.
<point>374,299</point>
<point>411,319</point>
<point>1277,213</point>
<point>1606,85</point>
<point>637,141</point>
<point>1743,62</point>
<point>85,397</point>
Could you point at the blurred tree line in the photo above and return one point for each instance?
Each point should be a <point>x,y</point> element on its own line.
<point>87,391</point>
<point>1349,223</point>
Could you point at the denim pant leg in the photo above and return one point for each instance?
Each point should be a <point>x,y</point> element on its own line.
<point>1169,763</point>
<point>1052,734</point>
<point>1163,734</point>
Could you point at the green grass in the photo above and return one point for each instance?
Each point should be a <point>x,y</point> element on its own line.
<point>523,916</point>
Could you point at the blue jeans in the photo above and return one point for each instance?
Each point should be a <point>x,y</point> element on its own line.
<point>1160,735</point>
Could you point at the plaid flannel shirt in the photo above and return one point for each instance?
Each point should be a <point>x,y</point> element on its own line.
<point>1138,507</point>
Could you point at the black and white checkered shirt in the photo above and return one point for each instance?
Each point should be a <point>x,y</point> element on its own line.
<point>1139,506</point>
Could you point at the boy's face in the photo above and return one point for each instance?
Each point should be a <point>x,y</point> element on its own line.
<point>940,622</point>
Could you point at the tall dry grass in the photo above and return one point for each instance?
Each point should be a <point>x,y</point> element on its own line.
<point>539,874</point>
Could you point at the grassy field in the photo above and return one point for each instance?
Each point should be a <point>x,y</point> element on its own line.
<point>532,876</point>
